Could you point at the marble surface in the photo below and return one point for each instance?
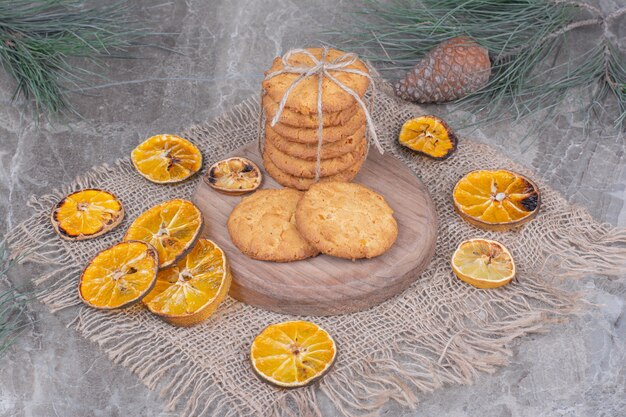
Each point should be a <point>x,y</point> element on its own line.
<point>576,370</point>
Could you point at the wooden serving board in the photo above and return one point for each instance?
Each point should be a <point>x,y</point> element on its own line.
<point>325,285</point>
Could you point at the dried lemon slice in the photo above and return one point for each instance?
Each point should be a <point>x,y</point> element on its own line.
<point>496,200</point>
<point>86,214</point>
<point>292,354</point>
<point>428,135</point>
<point>483,263</point>
<point>166,159</point>
<point>119,276</point>
<point>190,291</point>
<point>234,176</point>
<point>171,227</point>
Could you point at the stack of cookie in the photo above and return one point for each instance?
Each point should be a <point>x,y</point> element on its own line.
<point>291,145</point>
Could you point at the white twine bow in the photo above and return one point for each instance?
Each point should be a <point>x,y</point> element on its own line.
<point>321,68</point>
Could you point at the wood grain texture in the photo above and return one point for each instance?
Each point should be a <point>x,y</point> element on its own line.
<point>325,285</point>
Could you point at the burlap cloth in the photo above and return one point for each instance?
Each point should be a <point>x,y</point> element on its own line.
<point>440,331</point>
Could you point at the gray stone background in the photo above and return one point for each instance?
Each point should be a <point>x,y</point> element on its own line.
<point>578,369</point>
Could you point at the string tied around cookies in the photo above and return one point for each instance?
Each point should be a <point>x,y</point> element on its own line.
<point>321,67</point>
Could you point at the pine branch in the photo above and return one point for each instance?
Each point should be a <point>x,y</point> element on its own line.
<point>41,39</point>
<point>581,5</point>
<point>569,27</point>
<point>522,36</point>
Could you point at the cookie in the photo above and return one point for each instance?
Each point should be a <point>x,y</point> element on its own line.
<point>292,118</point>
<point>329,134</point>
<point>309,152</point>
<point>346,220</point>
<point>306,169</point>
<point>303,98</point>
<point>262,226</point>
<point>299,183</point>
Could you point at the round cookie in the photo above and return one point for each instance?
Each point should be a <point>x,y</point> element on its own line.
<point>329,134</point>
<point>292,118</point>
<point>303,98</point>
<point>346,220</point>
<point>299,183</point>
<point>262,226</point>
<point>309,152</point>
<point>306,169</point>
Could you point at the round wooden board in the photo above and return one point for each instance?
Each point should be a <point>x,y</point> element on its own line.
<point>325,285</point>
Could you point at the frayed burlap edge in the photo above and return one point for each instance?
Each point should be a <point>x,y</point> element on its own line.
<point>419,358</point>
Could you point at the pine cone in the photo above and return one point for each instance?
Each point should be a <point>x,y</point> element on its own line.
<point>452,70</point>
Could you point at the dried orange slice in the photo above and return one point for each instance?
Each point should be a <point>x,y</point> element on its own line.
<point>428,135</point>
<point>190,291</point>
<point>119,276</point>
<point>234,176</point>
<point>483,263</point>
<point>292,354</point>
<point>171,227</point>
<point>496,200</point>
<point>166,159</point>
<point>86,214</point>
